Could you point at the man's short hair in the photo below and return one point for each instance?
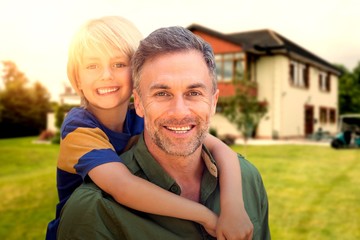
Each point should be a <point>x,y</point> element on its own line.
<point>171,40</point>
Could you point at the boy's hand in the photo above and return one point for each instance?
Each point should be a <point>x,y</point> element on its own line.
<point>234,225</point>
<point>210,222</point>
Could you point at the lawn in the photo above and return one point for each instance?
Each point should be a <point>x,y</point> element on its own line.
<point>313,190</point>
<point>27,188</point>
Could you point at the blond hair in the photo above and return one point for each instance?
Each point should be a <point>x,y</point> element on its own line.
<point>105,35</point>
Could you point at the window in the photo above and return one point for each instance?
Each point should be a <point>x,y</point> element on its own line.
<point>218,63</point>
<point>305,76</point>
<point>324,81</point>
<point>332,115</point>
<point>229,66</point>
<point>299,74</point>
<point>292,72</point>
<point>327,115</point>
<point>323,115</point>
<point>327,82</point>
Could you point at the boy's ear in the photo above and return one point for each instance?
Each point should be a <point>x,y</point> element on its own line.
<point>137,103</point>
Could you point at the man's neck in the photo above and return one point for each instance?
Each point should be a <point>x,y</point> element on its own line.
<point>186,171</point>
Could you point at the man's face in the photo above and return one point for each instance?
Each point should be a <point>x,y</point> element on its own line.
<point>176,101</point>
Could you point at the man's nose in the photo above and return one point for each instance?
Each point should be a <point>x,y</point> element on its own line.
<point>179,106</point>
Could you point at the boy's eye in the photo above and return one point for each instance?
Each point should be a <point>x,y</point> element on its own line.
<point>118,65</point>
<point>92,66</point>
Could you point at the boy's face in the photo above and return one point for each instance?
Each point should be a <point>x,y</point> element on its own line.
<point>105,80</point>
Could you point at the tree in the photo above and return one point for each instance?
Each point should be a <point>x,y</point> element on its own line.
<point>349,90</point>
<point>23,108</point>
<point>244,109</point>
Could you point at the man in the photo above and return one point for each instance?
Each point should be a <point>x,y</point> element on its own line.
<point>176,94</point>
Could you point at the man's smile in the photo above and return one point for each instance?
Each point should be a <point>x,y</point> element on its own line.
<point>183,129</point>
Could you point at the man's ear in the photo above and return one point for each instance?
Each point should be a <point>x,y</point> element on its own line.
<point>214,103</point>
<point>137,103</point>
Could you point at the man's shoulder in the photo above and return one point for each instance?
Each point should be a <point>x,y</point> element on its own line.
<point>246,163</point>
<point>128,158</point>
<point>248,169</point>
<point>86,194</point>
<point>88,186</point>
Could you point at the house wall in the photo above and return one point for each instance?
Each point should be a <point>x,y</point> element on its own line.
<point>219,45</point>
<point>223,126</point>
<point>285,117</point>
<point>294,100</point>
<point>270,74</point>
<point>324,99</point>
<point>50,122</point>
<point>286,104</point>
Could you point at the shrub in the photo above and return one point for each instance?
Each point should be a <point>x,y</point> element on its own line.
<point>46,135</point>
<point>213,132</point>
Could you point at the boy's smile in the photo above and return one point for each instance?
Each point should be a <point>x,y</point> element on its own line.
<point>103,91</point>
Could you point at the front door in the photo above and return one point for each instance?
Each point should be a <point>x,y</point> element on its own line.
<point>309,120</point>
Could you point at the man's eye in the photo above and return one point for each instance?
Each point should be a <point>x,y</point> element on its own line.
<point>194,94</point>
<point>161,94</point>
<point>119,65</point>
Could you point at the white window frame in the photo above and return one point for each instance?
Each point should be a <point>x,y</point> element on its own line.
<point>232,60</point>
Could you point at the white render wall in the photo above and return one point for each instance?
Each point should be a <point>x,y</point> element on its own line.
<point>286,103</point>
<point>223,126</point>
<point>324,99</point>
<point>271,72</point>
<point>50,122</point>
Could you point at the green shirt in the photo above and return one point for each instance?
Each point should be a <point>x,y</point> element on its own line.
<point>90,213</point>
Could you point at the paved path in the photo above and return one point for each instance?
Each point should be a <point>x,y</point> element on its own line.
<point>279,142</point>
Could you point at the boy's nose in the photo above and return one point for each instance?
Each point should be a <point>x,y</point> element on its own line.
<point>107,73</point>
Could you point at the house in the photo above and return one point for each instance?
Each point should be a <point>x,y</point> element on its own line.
<point>68,97</point>
<point>300,88</point>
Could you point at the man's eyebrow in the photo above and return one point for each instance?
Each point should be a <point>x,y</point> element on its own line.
<point>164,86</point>
<point>159,86</point>
<point>197,85</point>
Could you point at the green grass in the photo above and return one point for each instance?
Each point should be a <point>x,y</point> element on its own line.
<point>27,188</point>
<point>313,191</point>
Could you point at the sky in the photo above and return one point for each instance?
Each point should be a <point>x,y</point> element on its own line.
<point>35,34</point>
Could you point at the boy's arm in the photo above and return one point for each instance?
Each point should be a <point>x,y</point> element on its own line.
<point>113,177</point>
<point>233,223</point>
<point>137,193</point>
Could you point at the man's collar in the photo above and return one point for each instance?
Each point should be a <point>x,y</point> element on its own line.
<point>209,161</point>
<point>156,174</point>
<point>151,168</point>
